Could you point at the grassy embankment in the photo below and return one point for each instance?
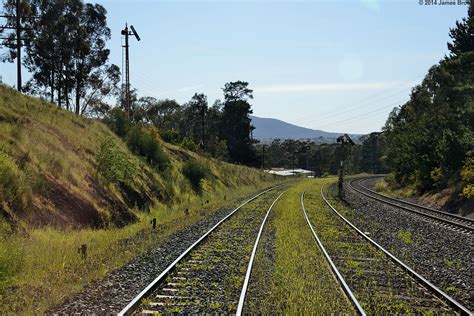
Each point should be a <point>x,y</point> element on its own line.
<point>66,181</point>
<point>383,187</point>
<point>291,272</point>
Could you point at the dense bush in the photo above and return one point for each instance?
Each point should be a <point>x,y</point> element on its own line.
<point>170,136</point>
<point>195,171</point>
<point>467,175</point>
<point>118,122</point>
<point>113,163</point>
<point>189,144</point>
<point>144,143</point>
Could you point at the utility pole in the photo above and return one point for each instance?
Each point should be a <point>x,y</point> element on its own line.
<point>15,24</point>
<point>263,157</point>
<point>203,114</point>
<point>127,33</point>
<point>18,47</point>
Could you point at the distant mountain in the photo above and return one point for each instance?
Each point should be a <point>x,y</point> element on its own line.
<point>267,129</point>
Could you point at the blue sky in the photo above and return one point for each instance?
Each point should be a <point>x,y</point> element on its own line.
<point>331,65</point>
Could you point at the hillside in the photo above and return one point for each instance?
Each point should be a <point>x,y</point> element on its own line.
<point>269,128</point>
<point>61,170</point>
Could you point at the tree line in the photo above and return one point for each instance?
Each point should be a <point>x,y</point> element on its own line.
<point>429,141</point>
<point>324,159</point>
<point>222,130</point>
<point>65,52</point>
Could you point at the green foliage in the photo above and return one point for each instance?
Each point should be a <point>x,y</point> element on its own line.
<point>66,52</point>
<point>189,144</point>
<point>118,122</point>
<point>467,176</point>
<point>144,142</point>
<point>405,236</point>
<point>113,164</point>
<point>236,123</point>
<point>170,136</point>
<point>321,158</point>
<point>430,136</point>
<point>195,171</point>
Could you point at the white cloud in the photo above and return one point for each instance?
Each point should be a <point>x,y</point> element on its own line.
<point>325,87</point>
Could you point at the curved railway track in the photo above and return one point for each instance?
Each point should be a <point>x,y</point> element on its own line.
<point>448,220</point>
<point>205,277</point>
<point>374,280</point>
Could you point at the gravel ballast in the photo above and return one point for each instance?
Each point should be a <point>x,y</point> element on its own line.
<point>442,255</point>
<point>112,293</point>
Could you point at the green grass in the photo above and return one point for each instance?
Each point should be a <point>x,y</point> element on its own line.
<point>49,156</point>
<point>405,236</point>
<point>300,281</point>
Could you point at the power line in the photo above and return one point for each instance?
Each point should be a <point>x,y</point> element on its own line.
<point>368,114</point>
<point>343,108</point>
<point>337,113</point>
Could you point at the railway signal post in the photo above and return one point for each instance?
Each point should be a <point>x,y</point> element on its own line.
<point>343,139</point>
<point>126,32</point>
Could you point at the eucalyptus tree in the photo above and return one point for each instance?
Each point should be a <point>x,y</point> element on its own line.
<point>66,53</point>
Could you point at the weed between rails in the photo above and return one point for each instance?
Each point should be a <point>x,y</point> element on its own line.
<point>290,274</point>
<point>216,268</point>
<point>380,286</point>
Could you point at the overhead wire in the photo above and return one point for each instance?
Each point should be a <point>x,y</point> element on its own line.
<point>368,114</point>
<point>345,108</point>
<point>340,112</point>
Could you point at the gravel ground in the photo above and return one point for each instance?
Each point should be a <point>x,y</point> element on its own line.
<point>210,279</point>
<point>112,293</point>
<point>441,255</point>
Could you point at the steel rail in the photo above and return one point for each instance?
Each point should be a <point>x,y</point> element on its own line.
<point>427,284</point>
<point>469,220</point>
<point>243,293</point>
<point>447,221</point>
<point>339,276</point>
<point>137,299</point>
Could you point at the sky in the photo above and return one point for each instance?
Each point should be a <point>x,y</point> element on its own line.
<point>332,65</point>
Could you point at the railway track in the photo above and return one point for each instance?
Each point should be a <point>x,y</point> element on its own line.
<point>374,280</point>
<point>451,221</point>
<point>211,274</point>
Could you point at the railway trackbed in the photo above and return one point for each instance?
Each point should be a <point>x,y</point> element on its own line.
<point>209,276</point>
<point>374,280</point>
<point>451,221</point>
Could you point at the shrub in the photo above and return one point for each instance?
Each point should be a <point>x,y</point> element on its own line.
<point>195,171</point>
<point>170,136</point>
<point>189,144</point>
<point>113,164</point>
<point>467,176</point>
<point>118,122</point>
<point>144,143</point>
